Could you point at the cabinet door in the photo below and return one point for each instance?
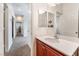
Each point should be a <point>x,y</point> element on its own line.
<point>40,48</point>
<point>52,52</point>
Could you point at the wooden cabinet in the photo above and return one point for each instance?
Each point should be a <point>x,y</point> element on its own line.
<point>52,52</point>
<point>40,49</point>
<point>45,50</point>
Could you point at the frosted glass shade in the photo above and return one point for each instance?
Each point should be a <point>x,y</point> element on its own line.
<point>19,18</point>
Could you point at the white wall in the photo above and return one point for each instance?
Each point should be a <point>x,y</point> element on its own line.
<point>37,30</point>
<point>68,22</point>
<point>8,27</point>
<point>42,6</point>
<point>1,30</point>
<point>11,13</point>
<point>27,24</point>
<point>26,19</point>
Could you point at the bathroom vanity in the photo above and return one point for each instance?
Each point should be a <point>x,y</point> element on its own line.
<point>45,50</point>
<point>55,47</point>
<point>51,23</point>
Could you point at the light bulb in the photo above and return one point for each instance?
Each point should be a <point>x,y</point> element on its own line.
<point>19,18</point>
<point>41,11</point>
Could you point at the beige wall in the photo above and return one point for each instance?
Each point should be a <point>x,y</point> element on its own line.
<point>68,22</point>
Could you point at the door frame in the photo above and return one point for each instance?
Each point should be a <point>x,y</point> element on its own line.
<point>5,6</point>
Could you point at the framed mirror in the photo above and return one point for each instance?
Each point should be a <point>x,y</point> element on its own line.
<point>42,18</point>
<point>45,19</point>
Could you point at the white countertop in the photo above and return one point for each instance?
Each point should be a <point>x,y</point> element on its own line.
<point>62,45</point>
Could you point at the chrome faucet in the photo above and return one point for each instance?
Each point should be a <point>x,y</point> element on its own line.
<point>56,36</point>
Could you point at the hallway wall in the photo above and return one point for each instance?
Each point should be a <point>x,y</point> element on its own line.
<point>8,28</point>
<point>1,30</point>
<point>27,18</point>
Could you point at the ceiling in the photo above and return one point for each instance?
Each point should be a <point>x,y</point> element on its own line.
<point>20,8</point>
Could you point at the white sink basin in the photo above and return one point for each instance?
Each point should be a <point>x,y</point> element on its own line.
<point>51,39</point>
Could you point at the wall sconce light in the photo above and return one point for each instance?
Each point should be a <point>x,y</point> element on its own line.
<point>19,18</point>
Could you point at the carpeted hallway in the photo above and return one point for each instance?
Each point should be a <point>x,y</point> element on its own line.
<point>19,47</point>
